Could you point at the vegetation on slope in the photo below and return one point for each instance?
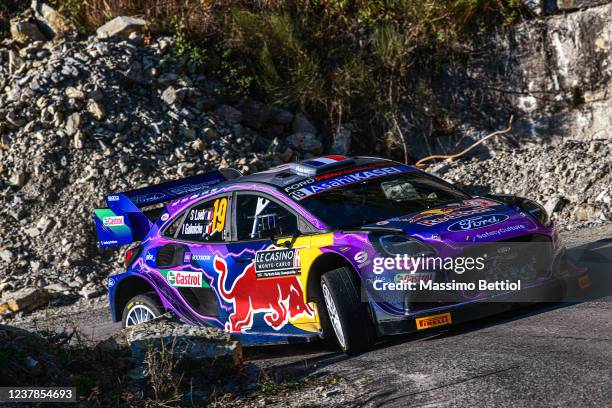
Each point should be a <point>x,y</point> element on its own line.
<point>368,62</point>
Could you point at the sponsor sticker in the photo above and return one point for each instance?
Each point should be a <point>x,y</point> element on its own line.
<point>349,170</point>
<point>453,214</point>
<point>429,322</point>
<point>413,277</point>
<point>113,198</point>
<point>200,257</point>
<point>450,212</point>
<point>277,262</point>
<point>500,231</point>
<point>114,221</point>
<point>340,181</point>
<point>362,259</point>
<point>147,198</point>
<point>111,282</point>
<point>477,222</point>
<point>189,188</point>
<point>165,216</point>
<point>185,279</point>
<point>299,184</point>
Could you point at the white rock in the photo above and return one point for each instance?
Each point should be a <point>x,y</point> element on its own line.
<point>120,27</point>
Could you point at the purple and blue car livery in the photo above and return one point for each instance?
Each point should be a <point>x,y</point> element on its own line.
<point>294,253</point>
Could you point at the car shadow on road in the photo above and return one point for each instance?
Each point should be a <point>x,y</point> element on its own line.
<point>301,359</point>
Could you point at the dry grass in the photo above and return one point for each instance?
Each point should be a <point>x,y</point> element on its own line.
<point>161,365</point>
<point>197,14</point>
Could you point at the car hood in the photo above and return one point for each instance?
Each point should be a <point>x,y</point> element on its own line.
<point>470,220</point>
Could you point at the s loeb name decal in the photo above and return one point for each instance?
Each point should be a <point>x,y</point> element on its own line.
<point>277,262</point>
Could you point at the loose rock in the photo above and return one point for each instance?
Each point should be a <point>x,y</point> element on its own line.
<point>120,27</point>
<point>305,141</point>
<point>204,344</point>
<point>25,32</point>
<point>26,300</point>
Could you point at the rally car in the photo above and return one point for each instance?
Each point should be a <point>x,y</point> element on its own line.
<point>290,254</point>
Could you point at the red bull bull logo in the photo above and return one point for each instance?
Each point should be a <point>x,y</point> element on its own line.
<point>431,213</point>
<point>280,298</point>
<point>444,214</point>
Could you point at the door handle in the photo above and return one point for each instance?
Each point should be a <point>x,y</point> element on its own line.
<point>244,259</point>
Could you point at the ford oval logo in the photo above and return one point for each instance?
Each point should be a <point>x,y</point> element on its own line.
<point>480,221</point>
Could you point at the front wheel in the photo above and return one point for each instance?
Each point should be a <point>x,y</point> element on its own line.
<point>140,309</point>
<point>348,316</point>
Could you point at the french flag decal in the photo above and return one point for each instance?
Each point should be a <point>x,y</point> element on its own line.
<point>325,160</point>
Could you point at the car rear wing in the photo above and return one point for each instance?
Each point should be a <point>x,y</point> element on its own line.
<point>124,221</point>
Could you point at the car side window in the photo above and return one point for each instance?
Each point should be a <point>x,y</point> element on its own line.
<point>205,222</point>
<point>170,230</point>
<point>258,218</point>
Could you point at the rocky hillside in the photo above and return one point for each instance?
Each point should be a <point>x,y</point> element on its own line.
<point>573,180</point>
<point>81,119</point>
<point>82,116</point>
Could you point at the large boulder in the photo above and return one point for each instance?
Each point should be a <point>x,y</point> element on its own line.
<point>255,114</point>
<point>26,31</point>
<point>228,114</point>
<point>302,124</point>
<point>53,22</point>
<point>578,4</point>
<point>120,27</point>
<point>306,142</point>
<point>25,300</point>
<point>190,344</point>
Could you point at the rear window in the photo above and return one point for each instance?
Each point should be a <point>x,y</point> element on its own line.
<point>375,200</point>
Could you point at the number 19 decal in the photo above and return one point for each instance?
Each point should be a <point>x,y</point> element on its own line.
<point>219,210</point>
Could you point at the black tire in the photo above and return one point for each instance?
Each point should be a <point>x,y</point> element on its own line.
<point>147,300</point>
<point>353,316</point>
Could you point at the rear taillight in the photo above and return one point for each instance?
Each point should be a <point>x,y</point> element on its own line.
<point>128,257</point>
<point>131,255</point>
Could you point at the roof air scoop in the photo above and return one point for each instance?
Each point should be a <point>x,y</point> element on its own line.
<point>321,165</point>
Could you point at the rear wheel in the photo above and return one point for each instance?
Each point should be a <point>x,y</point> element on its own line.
<point>348,316</point>
<point>140,309</point>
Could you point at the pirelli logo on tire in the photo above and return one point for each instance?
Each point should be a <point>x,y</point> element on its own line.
<point>430,322</point>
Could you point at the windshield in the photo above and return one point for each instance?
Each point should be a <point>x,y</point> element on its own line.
<point>375,200</point>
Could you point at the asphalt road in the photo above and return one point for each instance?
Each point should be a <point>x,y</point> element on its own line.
<point>544,357</point>
<point>547,355</point>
